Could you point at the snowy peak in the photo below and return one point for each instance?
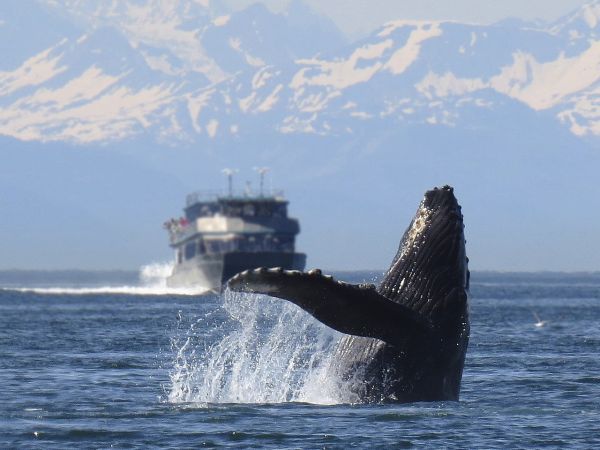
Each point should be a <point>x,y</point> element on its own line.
<point>177,37</point>
<point>167,30</point>
<point>581,24</point>
<point>131,14</point>
<point>591,15</point>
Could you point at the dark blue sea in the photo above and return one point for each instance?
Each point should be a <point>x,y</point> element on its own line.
<point>129,366</point>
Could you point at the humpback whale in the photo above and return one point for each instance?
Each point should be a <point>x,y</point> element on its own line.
<point>405,340</point>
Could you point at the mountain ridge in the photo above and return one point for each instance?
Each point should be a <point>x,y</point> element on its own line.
<point>407,71</point>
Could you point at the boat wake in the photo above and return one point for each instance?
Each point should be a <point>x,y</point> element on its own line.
<point>255,349</point>
<point>152,281</point>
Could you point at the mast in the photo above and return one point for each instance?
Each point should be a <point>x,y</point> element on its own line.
<point>229,173</point>
<point>262,171</point>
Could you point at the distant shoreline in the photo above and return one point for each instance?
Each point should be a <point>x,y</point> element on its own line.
<point>88,277</point>
<point>78,276</point>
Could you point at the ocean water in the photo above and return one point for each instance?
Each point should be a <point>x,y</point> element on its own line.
<point>124,366</point>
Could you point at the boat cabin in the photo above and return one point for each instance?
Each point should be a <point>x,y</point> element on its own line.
<point>232,224</point>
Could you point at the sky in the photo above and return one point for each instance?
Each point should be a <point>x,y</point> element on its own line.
<point>491,167</point>
<point>358,17</point>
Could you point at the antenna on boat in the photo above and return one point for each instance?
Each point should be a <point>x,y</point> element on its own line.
<point>229,173</point>
<point>262,171</point>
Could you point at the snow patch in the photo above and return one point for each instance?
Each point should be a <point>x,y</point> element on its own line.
<point>246,102</point>
<point>403,58</point>
<point>160,63</point>
<point>583,115</point>
<point>342,73</point>
<point>89,85</point>
<point>236,44</point>
<point>544,85</point>
<point>34,71</point>
<point>316,101</point>
<point>391,106</point>
<point>115,115</point>
<point>260,78</point>
<point>212,127</point>
<point>473,39</point>
<point>361,115</point>
<point>221,21</point>
<point>539,85</point>
<point>160,24</point>
<point>591,15</point>
<point>271,100</point>
<point>253,61</point>
<point>434,85</point>
<point>294,124</point>
<point>195,104</point>
<point>391,26</point>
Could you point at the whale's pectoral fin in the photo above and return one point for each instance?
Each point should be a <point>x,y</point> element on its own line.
<point>352,309</point>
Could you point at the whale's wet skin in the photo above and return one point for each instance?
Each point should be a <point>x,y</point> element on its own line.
<point>405,340</point>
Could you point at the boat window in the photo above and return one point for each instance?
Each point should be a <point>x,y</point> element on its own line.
<point>201,247</point>
<point>212,247</point>
<point>231,245</point>
<point>268,243</point>
<point>283,243</point>
<point>281,211</point>
<point>190,250</point>
<point>233,211</point>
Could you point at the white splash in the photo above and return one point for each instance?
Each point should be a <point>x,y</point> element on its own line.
<point>261,351</point>
<point>153,281</point>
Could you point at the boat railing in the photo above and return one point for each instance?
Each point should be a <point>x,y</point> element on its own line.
<point>179,233</point>
<point>246,194</point>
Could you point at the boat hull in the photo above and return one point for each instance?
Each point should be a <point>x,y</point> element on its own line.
<point>212,271</point>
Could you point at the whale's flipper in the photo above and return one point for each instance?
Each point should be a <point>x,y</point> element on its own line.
<point>352,309</point>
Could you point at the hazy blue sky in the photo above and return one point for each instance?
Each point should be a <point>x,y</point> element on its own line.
<point>358,17</point>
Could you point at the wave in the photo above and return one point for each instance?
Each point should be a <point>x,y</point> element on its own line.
<point>254,349</point>
<point>127,290</point>
<point>152,281</point>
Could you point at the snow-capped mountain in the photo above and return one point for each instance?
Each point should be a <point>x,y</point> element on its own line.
<point>122,69</point>
<point>190,33</point>
<point>427,72</point>
<point>181,73</point>
<point>112,111</point>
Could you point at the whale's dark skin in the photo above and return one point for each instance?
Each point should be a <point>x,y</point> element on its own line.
<point>405,340</point>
